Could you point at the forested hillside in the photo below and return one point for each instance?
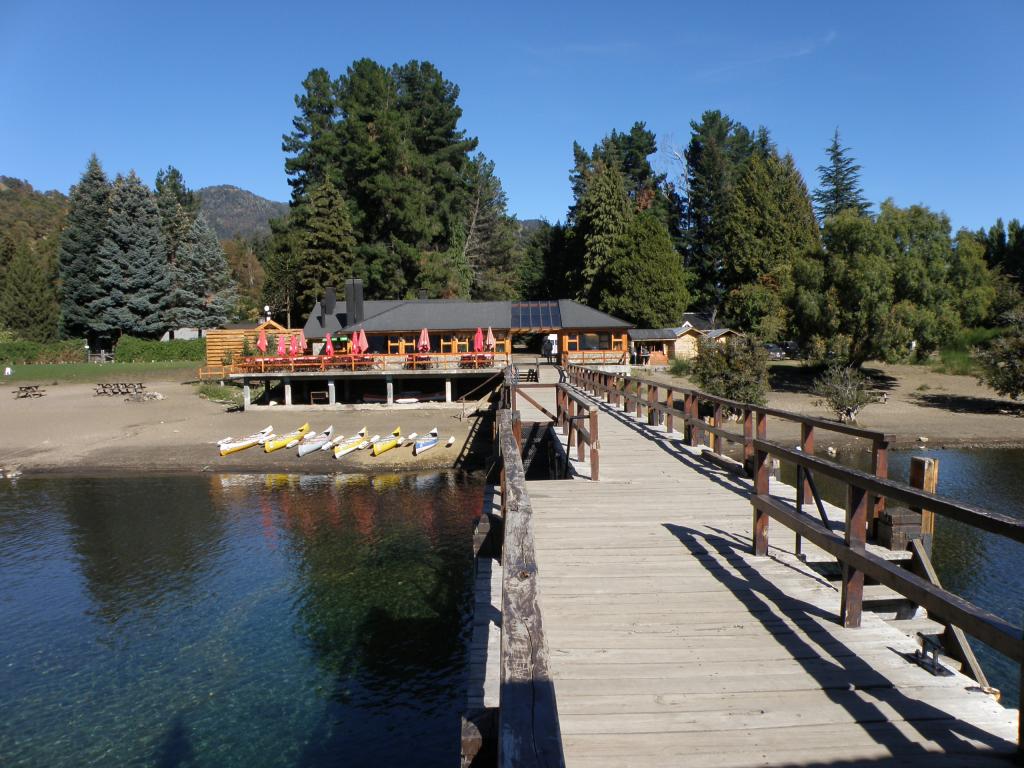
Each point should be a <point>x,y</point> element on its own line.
<point>238,213</point>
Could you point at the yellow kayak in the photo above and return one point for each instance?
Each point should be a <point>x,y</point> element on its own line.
<point>387,443</point>
<point>346,447</point>
<point>282,441</point>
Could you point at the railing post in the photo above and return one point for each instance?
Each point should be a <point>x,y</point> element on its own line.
<point>924,474</point>
<point>717,444</point>
<point>761,486</point>
<point>803,491</point>
<point>517,430</point>
<point>693,411</point>
<point>639,401</point>
<point>570,411</point>
<point>857,500</point>
<point>652,398</point>
<point>748,441</point>
<point>669,419</point>
<point>595,447</point>
<point>880,467</point>
<point>581,447</point>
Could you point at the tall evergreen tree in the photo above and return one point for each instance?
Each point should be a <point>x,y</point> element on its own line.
<point>202,293</point>
<point>327,244</point>
<point>280,286</point>
<point>715,157</point>
<point>80,242</point>
<point>839,183</point>
<point>313,142</point>
<point>132,265</point>
<point>645,283</point>
<point>603,218</point>
<point>490,247</point>
<point>1004,249</point>
<point>28,304</point>
<point>769,223</point>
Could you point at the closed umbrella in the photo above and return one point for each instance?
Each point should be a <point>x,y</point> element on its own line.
<point>329,347</point>
<point>478,341</point>
<point>295,345</point>
<point>261,342</point>
<point>359,343</point>
<point>282,345</point>
<point>489,342</point>
<point>302,342</point>
<point>424,342</point>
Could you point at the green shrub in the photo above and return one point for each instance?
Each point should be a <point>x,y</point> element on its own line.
<point>680,366</point>
<point>33,352</point>
<point>132,350</point>
<point>845,390</point>
<point>737,370</point>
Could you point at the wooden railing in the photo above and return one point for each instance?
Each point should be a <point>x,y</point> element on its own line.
<point>866,494</point>
<point>528,729</point>
<point>439,361</point>
<point>574,414</point>
<point>594,357</point>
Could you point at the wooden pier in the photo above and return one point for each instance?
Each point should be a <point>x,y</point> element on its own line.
<point>665,641</point>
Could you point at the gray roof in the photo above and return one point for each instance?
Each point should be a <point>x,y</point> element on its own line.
<point>653,334</point>
<point>398,316</point>
<point>714,333</point>
<point>697,320</point>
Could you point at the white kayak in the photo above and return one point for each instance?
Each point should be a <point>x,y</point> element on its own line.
<point>310,444</point>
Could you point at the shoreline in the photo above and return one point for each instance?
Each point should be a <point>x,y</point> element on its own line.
<point>71,431</point>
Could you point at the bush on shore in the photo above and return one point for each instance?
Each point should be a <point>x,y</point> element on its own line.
<point>130,349</point>
<point>19,352</point>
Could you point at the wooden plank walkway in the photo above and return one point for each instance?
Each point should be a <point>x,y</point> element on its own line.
<point>672,645</point>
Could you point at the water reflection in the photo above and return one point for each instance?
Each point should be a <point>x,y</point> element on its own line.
<point>235,620</point>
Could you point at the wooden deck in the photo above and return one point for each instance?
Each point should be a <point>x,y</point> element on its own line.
<point>671,644</point>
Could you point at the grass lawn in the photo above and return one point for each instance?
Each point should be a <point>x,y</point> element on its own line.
<point>176,370</point>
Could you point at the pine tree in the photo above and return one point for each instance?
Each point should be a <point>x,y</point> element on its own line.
<point>7,249</point>
<point>327,245</point>
<point>839,183</point>
<point>769,223</point>
<point>79,247</point>
<point>645,283</point>
<point>603,218</point>
<point>489,246</point>
<point>313,142</point>
<point>132,265</point>
<point>280,286</point>
<point>202,293</point>
<point>28,304</point>
<point>719,149</point>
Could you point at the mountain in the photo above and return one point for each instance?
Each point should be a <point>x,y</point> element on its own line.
<point>235,212</point>
<point>27,214</point>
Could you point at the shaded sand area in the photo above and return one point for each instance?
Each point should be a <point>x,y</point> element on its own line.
<point>950,411</point>
<point>70,429</point>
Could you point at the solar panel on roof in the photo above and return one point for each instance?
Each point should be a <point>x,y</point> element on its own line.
<point>536,314</point>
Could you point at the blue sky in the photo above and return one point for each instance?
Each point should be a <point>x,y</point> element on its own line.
<point>927,94</point>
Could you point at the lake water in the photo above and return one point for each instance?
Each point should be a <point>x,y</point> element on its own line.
<point>233,620</point>
<point>979,566</point>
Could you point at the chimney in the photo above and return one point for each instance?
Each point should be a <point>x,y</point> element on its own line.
<point>353,301</point>
<point>330,299</point>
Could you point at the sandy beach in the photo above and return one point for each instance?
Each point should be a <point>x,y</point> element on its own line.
<point>71,429</point>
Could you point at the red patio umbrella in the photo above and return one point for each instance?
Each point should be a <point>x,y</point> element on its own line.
<point>329,347</point>
<point>478,341</point>
<point>261,342</point>
<point>424,343</point>
<point>489,342</point>
<point>359,342</point>
<point>302,342</point>
<point>295,346</point>
<point>282,345</point>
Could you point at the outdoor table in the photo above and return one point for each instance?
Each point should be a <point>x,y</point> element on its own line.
<point>28,390</point>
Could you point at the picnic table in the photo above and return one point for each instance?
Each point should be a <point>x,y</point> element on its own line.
<point>110,389</point>
<point>477,360</point>
<point>28,390</point>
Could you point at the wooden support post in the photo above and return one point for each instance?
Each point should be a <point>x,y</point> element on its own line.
<point>652,398</point>
<point>669,418</point>
<point>595,447</point>
<point>390,385</point>
<point>880,467</point>
<point>639,402</point>
<point>803,493</point>
<point>717,444</point>
<point>857,500</point>
<point>761,486</point>
<point>581,446</point>
<point>696,433</point>
<point>924,474</point>
<point>246,395</point>
<point>287,391</point>
<point>748,441</point>
<point>570,408</point>
<point>517,430</point>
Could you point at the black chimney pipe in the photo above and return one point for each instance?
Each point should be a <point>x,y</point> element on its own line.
<point>354,301</point>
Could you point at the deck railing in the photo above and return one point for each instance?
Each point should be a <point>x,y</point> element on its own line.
<point>574,414</point>
<point>528,729</point>
<point>426,361</point>
<point>865,495</point>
